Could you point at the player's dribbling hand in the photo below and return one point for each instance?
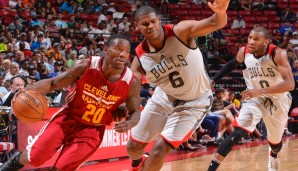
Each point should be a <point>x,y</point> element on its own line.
<point>219,5</point>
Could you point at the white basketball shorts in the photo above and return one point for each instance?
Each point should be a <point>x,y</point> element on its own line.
<point>174,124</point>
<point>273,111</point>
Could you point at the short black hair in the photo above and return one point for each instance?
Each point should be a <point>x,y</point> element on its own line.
<point>220,90</point>
<point>263,30</point>
<point>113,37</point>
<point>144,10</point>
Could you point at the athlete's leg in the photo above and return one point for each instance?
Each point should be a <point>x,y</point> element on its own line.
<point>82,143</point>
<point>136,144</point>
<point>274,160</point>
<point>135,150</point>
<point>40,150</point>
<point>179,127</point>
<point>248,118</point>
<point>275,148</point>
<point>152,121</point>
<point>159,151</point>
<point>225,147</point>
<point>24,158</point>
<point>275,121</point>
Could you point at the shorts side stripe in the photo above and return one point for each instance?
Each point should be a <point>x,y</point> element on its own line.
<point>235,124</point>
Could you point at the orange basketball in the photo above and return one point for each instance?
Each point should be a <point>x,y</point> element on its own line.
<point>29,106</point>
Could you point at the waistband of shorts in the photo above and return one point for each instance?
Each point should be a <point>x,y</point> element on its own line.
<point>86,124</point>
<point>204,95</point>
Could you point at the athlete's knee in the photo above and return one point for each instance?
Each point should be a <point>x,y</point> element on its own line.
<point>158,152</point>
<point>161,148</point>
<point>134,148</point>
<point>276,147</point>
<point>232,139</point>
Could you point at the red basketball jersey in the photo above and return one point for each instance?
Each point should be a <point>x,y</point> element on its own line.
<point>93,98</point>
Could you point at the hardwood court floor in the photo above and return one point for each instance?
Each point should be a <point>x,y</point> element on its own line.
<point>252,156</point>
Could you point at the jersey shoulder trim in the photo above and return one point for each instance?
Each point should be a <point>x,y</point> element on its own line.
<point>128,76</point>
<point>245,49</point>
<point>169,30</point>
<point>141,48</point>
<point>95,62</point>
<point>272,50</point>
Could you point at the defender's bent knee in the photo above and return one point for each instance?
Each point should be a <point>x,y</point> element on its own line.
<point>135,149</point>
<point>276,147</point>
<point>161,147</point>
<point>226,146</point>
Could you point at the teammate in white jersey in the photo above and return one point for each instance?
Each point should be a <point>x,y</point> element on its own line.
<point>170,59</point>
<point>268,79</point>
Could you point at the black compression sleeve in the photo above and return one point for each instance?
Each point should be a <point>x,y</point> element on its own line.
<point>229,66</point>
<point>226,146</point>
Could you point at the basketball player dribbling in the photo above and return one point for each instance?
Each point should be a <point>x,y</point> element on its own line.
<point>268,78</point>
<point>170,59</point>
<point>101,85</point>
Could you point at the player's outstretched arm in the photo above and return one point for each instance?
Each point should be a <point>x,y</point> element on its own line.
<point>133,106</point>
<point>284,68</point>
<point>229,66</point>
<point>62,80</point>
<point>189,29</point>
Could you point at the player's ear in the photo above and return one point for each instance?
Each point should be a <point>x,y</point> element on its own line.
<point>159,19</point>
<point>267,41</point>
<point>136,25</point>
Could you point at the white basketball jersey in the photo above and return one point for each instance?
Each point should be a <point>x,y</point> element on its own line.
<point>262,72</point>
<point>176,69</point>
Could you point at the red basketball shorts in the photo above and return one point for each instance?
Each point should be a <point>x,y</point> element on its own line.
<point>79,142</point>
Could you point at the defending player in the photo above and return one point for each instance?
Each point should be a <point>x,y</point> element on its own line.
<point>268,78</point>
<point>170,59</point>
